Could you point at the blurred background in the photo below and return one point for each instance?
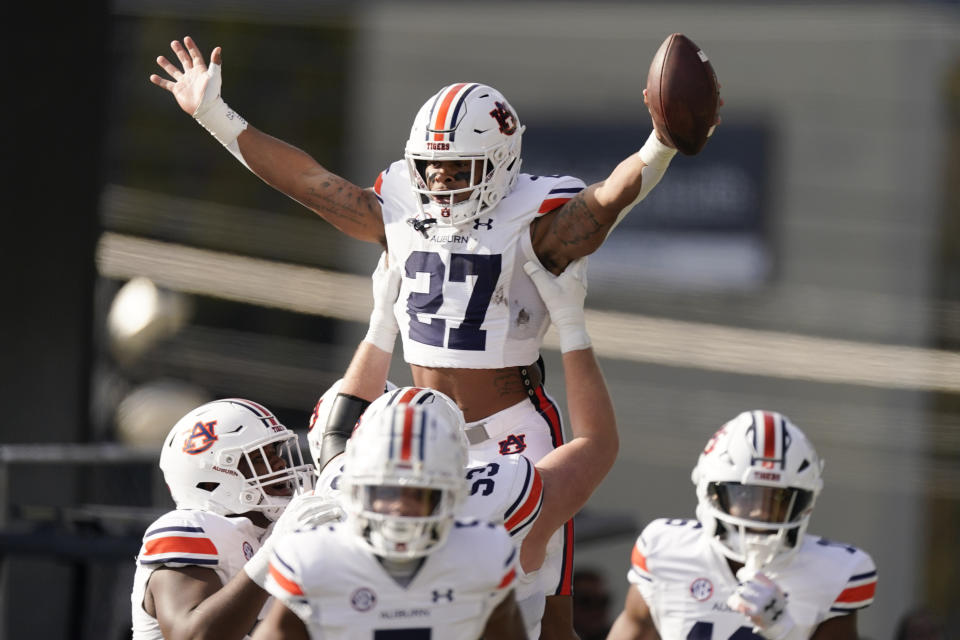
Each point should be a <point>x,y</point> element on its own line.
<point>807,261</point>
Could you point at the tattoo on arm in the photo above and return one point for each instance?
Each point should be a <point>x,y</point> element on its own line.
<point>330,197</point>
<point>576,224</point>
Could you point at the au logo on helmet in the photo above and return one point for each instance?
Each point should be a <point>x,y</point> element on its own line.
<point>505,118</point>
<point>201,438</point>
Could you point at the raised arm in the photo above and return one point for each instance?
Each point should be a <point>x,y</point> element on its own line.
<point>571,472</point>
<point>367,373</point>
<point>196,88</point>
<point>580,226</point>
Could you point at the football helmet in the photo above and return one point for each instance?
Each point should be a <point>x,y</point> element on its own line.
<point>403,451</point>
<point>320,415</point>
<point>757,481</point>
<point>467,122</point>
<point>218,458</point>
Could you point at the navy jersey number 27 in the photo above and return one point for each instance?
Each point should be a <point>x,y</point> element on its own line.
<point>468,336</point>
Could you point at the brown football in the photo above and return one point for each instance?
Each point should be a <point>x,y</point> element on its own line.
<point>682,93</point>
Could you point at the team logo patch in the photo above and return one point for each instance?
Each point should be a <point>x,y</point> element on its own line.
<point>701,589</point>
<point>247,550</point>
<point>513,444</point>
<point>201,438</point>
<point>505,118</point>
<point>363,599</point>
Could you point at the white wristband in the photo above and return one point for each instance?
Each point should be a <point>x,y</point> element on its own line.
<point>574,339</point>
<point>224,124</point>
<point>381,337</point>
<point>221,121</point>
<point>656,157</point>
<point>655,154</point>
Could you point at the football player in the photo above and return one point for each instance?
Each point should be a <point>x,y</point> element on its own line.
<point>746,567</point>
<point>231,467</point>
<point>399,565</point>
<point>531,501</point>
<point>460,220</point>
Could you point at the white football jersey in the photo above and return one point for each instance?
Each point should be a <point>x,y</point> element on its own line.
<point>686,582</point>
<point>341,591</point>
<point>509,491</point>
<point>465,300</point>
<point>187,537</point>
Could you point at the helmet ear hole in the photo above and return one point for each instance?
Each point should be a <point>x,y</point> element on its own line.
<point>208,486</point>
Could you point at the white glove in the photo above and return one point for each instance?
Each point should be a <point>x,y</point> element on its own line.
<point>305,511</point>
<point>383,324</point>
<point>564,296</point>
<point>765,603</point>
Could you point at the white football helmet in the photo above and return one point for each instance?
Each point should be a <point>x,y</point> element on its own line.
<point>321,412</point>
<point>469,122</point>
<point>211,456</point>
<point>408,451</point>
<point>757,481</point>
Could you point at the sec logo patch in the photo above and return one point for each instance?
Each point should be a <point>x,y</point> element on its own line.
<point>247,550</point>
<point>363,599</point>
<point>701,589</point>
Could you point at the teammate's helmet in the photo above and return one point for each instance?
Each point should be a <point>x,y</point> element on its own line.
<point>404,448</point>
<point>320,415</point>
<point>440,405</point>
<point>465,121</point>
<point>210,460</point>
<point>757,481</point>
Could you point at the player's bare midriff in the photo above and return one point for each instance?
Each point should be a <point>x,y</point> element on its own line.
<point>478,392</point>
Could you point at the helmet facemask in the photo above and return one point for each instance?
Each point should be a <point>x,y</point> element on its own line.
<point>402,535</point>
<point>756,523</point>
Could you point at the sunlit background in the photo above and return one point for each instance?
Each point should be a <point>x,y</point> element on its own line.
<point>807,261</point>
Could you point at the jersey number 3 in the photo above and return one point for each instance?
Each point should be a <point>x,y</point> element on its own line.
<point>468,336</point>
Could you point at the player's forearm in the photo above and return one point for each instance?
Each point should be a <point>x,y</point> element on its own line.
<point>297,175</point>
<point>229,613</point>
<point>367,373</point>
<point>592,415</point>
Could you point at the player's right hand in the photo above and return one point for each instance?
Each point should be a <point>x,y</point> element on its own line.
<point>383,328</point>
<point>192,79</point>
<point>563,296</point>
<point>764,602</point>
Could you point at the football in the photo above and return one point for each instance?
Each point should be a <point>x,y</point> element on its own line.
<point>682,93</point>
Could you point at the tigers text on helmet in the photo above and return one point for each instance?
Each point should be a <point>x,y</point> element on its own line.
<point>468,122</point>
<point>232,456</point>
<point>402,452</point>
<point>757,481</point>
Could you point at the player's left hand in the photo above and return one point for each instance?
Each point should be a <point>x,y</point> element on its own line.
<point>764,602</point>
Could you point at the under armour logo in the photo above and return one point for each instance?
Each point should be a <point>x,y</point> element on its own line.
<point>448,595</point>
<point>488,224</point>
